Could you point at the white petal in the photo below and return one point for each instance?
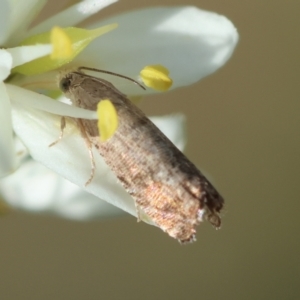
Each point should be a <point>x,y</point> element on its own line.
<point>28,98</point>
<point>35,188</point>
<point>190,42</point>
<point>5,64</point>
<point>69,157</point>
<point>72,15</point>
<point>5,13</point>
<point>22,14</point>
<point>24,54</point>
<point>7,151</point>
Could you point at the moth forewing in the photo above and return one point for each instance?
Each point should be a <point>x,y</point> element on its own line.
<point>164,184</point>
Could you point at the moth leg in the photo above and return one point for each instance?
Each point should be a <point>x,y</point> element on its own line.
<point>90,147</point>
<point>62,127</point>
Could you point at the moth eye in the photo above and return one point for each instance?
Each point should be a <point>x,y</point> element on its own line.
<point>65,84</point>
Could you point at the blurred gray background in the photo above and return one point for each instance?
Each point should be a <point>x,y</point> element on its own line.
<point>243,128</point>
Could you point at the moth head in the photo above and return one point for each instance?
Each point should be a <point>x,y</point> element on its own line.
<point>64,84</point>
<point>65,79</point>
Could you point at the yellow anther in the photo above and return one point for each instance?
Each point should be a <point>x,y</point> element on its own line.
<point>61,43</point>
<point>107,119</point>
<point>156,77</point>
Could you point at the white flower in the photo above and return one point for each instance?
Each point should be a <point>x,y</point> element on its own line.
<point>189,42</point>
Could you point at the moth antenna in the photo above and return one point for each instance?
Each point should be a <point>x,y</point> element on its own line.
<point>112,73</point>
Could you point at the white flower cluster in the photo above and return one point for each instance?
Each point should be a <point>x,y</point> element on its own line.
<point>190,42</point>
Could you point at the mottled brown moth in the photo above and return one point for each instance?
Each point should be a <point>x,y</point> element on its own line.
<point>164,184</point>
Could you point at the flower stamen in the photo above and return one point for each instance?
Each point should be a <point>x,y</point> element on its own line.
<point>156,77</point>
<point>79,38</point>
<point>62,44</point>
<point>107,119</point>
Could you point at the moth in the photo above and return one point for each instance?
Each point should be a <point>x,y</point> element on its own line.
<point>164,184</point>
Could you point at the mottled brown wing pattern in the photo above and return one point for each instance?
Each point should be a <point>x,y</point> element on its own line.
<point>163,182</point>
